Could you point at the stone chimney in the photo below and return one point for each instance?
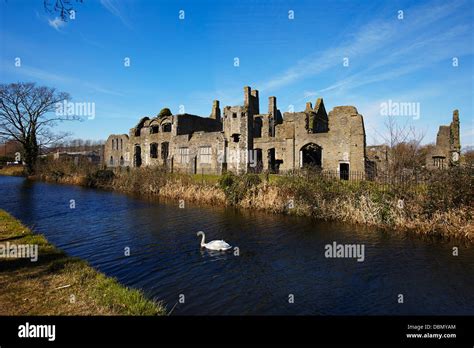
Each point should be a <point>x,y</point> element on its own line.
<point>456,115</point>
<point>247,96</point>
<point>309,107</point>
<point>216,111</point>
<point>455,141</point>
<point>255,101</point>
<point>272,106</point>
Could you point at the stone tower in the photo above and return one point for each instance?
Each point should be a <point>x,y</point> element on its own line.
<point>455,144</point>
<point>216,111</point>
<point>238,129</point>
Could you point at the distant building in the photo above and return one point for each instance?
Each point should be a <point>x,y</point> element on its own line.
<point>93,157</point>
<point>10,148</point>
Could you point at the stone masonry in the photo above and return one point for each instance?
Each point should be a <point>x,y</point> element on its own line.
<point>241,139</point>
<point>447,150</point>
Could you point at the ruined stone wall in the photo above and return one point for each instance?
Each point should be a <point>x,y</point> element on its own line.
<point>166,132</point>
<point>238,131</point>
<point>117,150</point>
<point>321,123</point>
<point>447,151</point>
<point>187,124</point>
<point>344,142</point>
<point>203,153</point>
<point>346,139</point>
<point>201,145</point>
<point>379,159</point>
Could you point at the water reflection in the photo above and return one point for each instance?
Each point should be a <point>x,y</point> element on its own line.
<point>278,256</point>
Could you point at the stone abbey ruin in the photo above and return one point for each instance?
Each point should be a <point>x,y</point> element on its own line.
<point>240,139</point>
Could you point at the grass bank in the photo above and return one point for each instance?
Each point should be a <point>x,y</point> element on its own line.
<point>15,170</point>
<point>57,284</point>
<point>440,206</point>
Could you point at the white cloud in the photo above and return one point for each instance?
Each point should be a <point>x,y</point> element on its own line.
<point>56,23</point>
<point>113,7</point>
<point>379,43</point>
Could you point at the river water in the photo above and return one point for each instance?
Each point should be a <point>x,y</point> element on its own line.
<point>280,257</point>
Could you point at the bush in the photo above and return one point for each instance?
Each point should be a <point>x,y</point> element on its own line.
<point>236,187</point>
<point>165,112</point>
<point>448,189</point>
<point>100,177</point>
<point>226,180</point>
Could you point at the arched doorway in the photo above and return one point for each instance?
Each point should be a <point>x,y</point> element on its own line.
<point>137,156</point>
<point>311,156</point>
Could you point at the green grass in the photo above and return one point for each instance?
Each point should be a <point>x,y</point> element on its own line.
<point>46,287</point>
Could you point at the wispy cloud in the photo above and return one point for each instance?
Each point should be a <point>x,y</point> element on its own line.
<point>90,42</point>
<point>367,40</point>
<point>56,23</point>
<point>113,7</point>
<point>380,43</point>
<point>388,69</point>
<point>100,89</point>
<point>35,73</point>
<point>375,121</point>
<point>47,76</point>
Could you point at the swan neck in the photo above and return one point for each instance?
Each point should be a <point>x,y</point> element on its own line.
<point>203,237</point>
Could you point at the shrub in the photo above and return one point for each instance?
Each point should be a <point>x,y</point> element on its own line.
<point>165,112</point>
<point>448,189</point>
<point>226,180</point>
<point>236,187</point>
<point>100,177</point>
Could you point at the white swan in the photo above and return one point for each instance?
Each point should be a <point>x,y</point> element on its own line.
<point>213,245</point>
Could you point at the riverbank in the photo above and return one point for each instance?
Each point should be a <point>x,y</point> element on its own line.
<point>12,170</point>
<point>57,284</point>
<point>440,207</point>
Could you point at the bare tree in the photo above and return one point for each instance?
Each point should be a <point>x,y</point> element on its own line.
<point>61,7</point>
<point>26,114</point>
<point>404,142</point>
<point>468,157</point>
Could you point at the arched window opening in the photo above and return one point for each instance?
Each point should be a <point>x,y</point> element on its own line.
<point>154,150</point>
<point>311,156</point>
<point>167,127</point>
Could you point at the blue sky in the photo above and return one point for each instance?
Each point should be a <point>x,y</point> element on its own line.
<point>190,61</point>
